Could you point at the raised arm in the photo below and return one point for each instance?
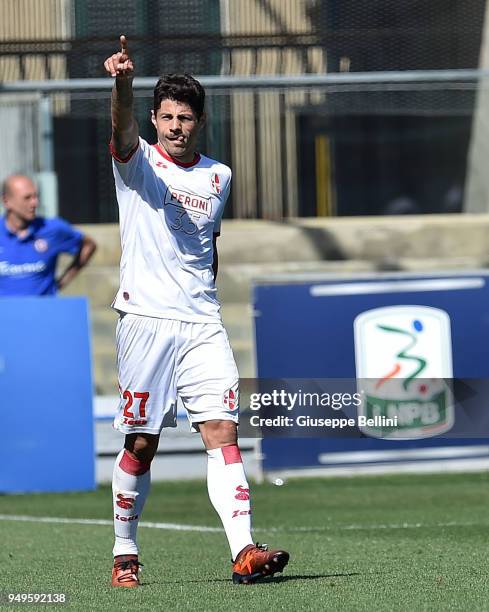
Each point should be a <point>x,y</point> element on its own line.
<point>125,131</point>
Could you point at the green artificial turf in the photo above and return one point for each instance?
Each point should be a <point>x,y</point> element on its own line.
<point>371,543</point>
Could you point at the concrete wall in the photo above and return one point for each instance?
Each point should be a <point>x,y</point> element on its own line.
<point>338,238</point>
<point>263,126</point>
<point>34,20</point>
<point>253,249</point>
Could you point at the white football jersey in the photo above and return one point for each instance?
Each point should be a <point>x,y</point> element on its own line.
<point>168,213</point>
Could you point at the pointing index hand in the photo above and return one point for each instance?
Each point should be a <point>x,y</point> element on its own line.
<point>120,64</point>
<point>124,50</point>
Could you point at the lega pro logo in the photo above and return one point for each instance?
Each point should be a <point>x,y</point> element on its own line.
<point>403,354</point>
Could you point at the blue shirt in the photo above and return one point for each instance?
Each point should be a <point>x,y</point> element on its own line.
<point>28,264</point>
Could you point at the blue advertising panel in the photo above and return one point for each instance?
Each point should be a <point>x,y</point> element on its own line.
<point>394,329</point>
<point>46,395</point>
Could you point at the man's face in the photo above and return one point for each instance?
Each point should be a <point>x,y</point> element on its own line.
<point>177,127</point>
<point>21,200</point>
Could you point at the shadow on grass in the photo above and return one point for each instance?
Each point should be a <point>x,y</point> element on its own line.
<point>264,581</point>
<point>287,578</point>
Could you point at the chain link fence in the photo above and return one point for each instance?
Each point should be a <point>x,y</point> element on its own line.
<point>345,146</point>
<point>297,146</point>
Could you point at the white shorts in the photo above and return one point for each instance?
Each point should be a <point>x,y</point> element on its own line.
<point>162,359</point>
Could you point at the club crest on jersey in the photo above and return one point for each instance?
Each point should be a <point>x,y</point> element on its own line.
<point>231,398</point>
<point>41,245</point>
<point>216,184</point>
<point>188,201</point>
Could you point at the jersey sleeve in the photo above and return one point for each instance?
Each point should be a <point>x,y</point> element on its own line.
<point>68,239</point>
<point>225,195</point>
<point>128,171</point>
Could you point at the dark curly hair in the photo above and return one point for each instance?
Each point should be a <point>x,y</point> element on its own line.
<point>181,88</point>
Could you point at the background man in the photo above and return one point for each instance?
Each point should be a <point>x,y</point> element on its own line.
<point>170,338</point>
<point>30,245</point>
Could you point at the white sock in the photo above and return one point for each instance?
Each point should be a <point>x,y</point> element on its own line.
<point>130,487</point>
<point>230,495</point>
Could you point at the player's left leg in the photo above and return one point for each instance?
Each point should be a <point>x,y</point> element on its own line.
<point>229,493</point>
<point>227,484</point>
<point>208,386</point>
<point>130,487</point>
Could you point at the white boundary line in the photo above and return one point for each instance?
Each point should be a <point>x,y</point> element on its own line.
<point>81,521</point>
<point>204,529</point>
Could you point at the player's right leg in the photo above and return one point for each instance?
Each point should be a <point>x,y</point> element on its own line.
<point>130,487</point>
<point>145,355</point>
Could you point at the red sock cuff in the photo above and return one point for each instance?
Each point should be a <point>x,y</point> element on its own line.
<point>133,466</point>
<point>231,454</point>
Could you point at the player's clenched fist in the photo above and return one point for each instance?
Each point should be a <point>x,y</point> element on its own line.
<point>120,64</point>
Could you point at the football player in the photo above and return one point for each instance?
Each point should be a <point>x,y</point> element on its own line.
<point>170,339</point>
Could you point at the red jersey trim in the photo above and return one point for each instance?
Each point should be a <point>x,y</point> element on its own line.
<point>169,158</point>
<point>122,160</point>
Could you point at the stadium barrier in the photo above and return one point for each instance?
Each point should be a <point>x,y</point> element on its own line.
<point>46,391</point>
<point>412,345</point>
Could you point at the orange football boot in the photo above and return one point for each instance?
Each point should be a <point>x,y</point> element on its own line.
<point>255,562</point>
<point>125,572</point>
